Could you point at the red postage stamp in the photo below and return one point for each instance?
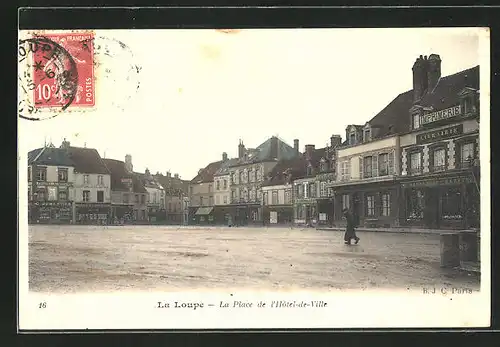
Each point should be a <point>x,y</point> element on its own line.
<point>63,70</point>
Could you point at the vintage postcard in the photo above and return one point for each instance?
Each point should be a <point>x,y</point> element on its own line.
<point>254,179</point>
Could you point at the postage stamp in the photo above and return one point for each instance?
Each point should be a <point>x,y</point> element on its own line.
<point>56,72</point>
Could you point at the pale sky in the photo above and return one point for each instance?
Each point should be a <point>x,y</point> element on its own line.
<point>202,90</point>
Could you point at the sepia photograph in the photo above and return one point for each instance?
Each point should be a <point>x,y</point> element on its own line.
<point>254,178</point>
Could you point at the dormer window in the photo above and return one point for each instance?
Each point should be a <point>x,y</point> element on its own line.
<point>416,121</point>
<point>309,170</point>
<point>324,165</point>
<point>352,138</point>
<point>367,135</point>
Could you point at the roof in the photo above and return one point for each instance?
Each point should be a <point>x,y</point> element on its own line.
<point>394,118</point>
<point>224,167</point>
<point>50,156</point>
<point>118,172</point>
<point>172,186</point>
<point>297,167</point>
<point>207,174</point>
<point>148,180</point>
<point>264,152</point>
<point>87,160</point>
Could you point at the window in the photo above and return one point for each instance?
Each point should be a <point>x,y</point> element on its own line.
<point>62,175</point>
<point>259,195</point>
<point>100,180</point>
<point>265,202</point>
<point>352,138</point>
<point>62,194</point>
<point>322,191</point>
<point>225,184</point>
<point>86,195</point>
<point>288,197</point>
<point>52,193</point>
<point>169,207</point>
<point>231,178</point>
<point>258,175</point>
<point>210,188</point>
<point>383,164</point>
<point>415,204</point>
<point>225,199</point>
<point>451,204</point>
<point>467,154</point>
<point>367,162</point>
<point>416,121</point>
<point>252,195</point>
<point>210,201</point>
<point>241,177</point>
<point>415,163</point>
<point>324,166</point>
<point>85,179</point>
<point>438,163</point>
<point>345,201</point>
<point>344,170</point>
<point>162,203</point>
<point>233,195</point>
<point>367,135</point>
<point>312,189</point>
<point>41,194</point>
<point>125,198</point>
<point>275,197</point>
<point>386,204</point>
<point>100,196</point>
<point>29,173</point>
<point>41,174</point>
<point>309,170</point>
<point>370,205</point>
<point>201,200</point>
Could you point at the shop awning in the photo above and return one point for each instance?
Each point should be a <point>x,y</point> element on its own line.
<point>203,211</point>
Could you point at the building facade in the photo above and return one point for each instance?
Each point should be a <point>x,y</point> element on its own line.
<point>176,190</point>
<point>128,194</point>
<point>222,191</point>
<point>50,186</point>
<point>201,195</point>
<point>247,175</point>
<point>440,153</point>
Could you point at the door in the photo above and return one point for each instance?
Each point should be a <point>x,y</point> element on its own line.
<point>356,208</point>
<point>432,211</point>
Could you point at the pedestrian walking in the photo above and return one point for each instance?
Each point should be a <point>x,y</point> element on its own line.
<point>350,233</point>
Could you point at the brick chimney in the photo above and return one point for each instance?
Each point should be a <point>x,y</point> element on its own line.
<point>241,149</point>
<point>308,151</point>
<point>296,145</point>
<point>65,144</point>
<point>433,71</point>
<point>224,156</point>
<point>169,174</point>
<point>274,147</point>
<point>420,79</point>
<point>128,163</point>
<point>335,141</point>
<point>176,176</point>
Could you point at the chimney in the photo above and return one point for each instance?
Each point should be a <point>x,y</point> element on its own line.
<point>434,71</point>
<point>169,174</point>
<point>224,156</point>
<point>419,78</point>
<point>65,144</point>
<point>308,151</point>
<point>296,145</point>
<point>128,163</point>
<point>335,141</point>
<point>274,147</point>
<point>147,172</point>
<point>176,176</point>
<point>241,149</point>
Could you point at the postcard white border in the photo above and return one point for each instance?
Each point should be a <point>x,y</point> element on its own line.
<point>352,309</point>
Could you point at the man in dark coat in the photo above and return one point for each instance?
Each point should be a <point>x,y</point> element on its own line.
<point>350,234</point>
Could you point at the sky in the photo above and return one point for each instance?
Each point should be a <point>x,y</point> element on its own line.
<point>201,91</point>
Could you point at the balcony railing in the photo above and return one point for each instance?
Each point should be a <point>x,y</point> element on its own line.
<point>438,168</point>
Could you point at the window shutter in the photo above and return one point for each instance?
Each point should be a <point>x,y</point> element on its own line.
<point>375,166</point>
<point>361,168</point>
<point>390,161</point>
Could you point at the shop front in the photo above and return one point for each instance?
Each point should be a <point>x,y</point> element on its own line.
<point>222,215</point>
<point>325,207</point>
<point>50,212</point>
<point>277,214</point>
<point>122,214</point>
<point>204,216</point>
<point>245,214</point>
<point>305,212</point>
<point>445,201</point>
<point>93,213</point>
<point>373,205</point>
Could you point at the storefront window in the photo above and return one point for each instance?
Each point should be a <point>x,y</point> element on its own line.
<point>416,203</point>
<point>52,193</point>
<point>386,204</point>
<point>63,194</point>
<point>439,159</point>
<point>345,201</point>
<point>451,204</point>
<point>370,205</point>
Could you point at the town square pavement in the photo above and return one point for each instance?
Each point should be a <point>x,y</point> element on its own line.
<point>143,258</point>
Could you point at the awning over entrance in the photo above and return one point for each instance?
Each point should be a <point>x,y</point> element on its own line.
<point>203,211</point>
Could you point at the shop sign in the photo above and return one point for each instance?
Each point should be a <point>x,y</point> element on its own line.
<point>441,115</point>
<point>438,181</point>
<point>54,204</point>
<point>440,134</point>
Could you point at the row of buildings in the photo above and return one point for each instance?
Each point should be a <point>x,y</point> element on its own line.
<point>76,185</point>
<point>415,163</point>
